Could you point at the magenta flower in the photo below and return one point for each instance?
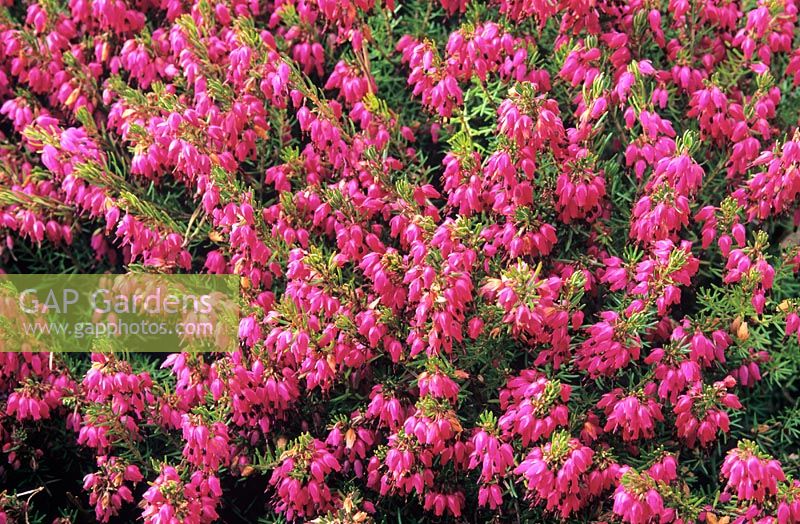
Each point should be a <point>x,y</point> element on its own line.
<point>751,475</point>
<point>634,415</point>
<point>556,473</point>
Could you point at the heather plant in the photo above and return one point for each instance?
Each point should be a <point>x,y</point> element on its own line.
<point>499,261</point>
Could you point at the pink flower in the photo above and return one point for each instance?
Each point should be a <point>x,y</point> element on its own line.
<point>350,443</point>
<point>108,488</point>
<point>638,499</point>
<point>608,347</point>
<point>634,415</point>
<point>700,414</point>
<point>444,503</point>
<point>556,473</point>
<point>299,480</point>
<point>750,474</point>
<point>533,406</point>
<point>170,499</point>
<point>207,445</point>
<point>493,455</point>
<point>438,385</point>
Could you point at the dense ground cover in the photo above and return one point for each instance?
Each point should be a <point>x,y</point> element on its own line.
<point>517,261</point>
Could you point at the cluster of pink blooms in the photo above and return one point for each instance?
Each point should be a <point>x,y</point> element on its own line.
<point>172,500</point>
<point>649,496</point>
<point>108,488</point>
<point>495,457</point>
<point>556,474</point>
<point>750,474</point>
<point>632,414</point>
<point>506,256</point>
<point>300,478</point>
<point>700,412</point>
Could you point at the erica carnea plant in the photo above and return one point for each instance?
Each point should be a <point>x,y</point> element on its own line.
<point>506,261</point>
